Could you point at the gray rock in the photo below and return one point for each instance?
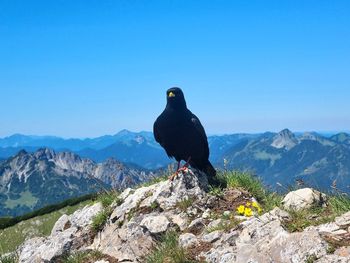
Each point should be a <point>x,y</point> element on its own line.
<point>220,255</point>
<point>206,214</point>
<point>197,225</point>
<point>167,194</point>
<point>61,224</point>
<point>188,239</point>
<point>303,198</point>
<point>327,228</point>
<point>155,224</point>
<point>180,220</point>
<point>343,221</point>
<point>213,236</point>
<point>125,193</point>
<point>343,252</point>
<point>69,233</point>
<point>264,239</point>
<point>215,223</point>
<point>128,243</point>
<point>332,259</point>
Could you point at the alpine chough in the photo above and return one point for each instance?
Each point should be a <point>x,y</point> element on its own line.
<point>182,135</point>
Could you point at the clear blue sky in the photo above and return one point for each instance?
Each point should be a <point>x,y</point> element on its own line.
<point>87,68</point>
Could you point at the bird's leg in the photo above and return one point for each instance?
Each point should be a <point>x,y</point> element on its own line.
<point>183,168</point>
<point>171,177</point>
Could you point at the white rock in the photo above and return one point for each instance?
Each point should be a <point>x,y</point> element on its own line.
<point>61,224</point>
<point>213,236</point>
<point>215,223</point>
<point>125,193</point>
<point>196,225</point>
<point>69,232</point>
<point>206,214</point>
<point>227,213</point>
<point>180,220</point>
<point>343,221</point>
<point>303,198</point>
<point>187,239</point>
<point>130,243</point>
<point>155,224</point>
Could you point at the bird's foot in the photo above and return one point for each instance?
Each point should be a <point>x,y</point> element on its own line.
<point>182,169</point>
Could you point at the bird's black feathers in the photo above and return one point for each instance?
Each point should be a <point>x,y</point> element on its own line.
<point>181,133</point>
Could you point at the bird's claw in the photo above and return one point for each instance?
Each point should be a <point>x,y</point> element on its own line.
<point>182,169</point>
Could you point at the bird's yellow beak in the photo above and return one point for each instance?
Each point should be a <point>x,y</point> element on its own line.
<point>171,94</point>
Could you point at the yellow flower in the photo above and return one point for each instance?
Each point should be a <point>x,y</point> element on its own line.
<point>248,211</point>
<point>255,204</point>
<point>248,204</point>
<point>259,210</point>
<point>240,209</point>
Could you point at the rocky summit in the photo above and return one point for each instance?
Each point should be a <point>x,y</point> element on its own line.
<point>208,226</point>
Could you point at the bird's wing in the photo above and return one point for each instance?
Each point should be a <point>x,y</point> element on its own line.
<point>199,128</point>
<point>156,132</point>
<point>197,124</point>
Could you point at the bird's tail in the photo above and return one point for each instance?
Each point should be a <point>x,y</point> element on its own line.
<point>209,170</point>
<point>213,180</point>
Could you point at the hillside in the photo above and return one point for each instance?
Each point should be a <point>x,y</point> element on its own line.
<point>185,221</point>
<point>12,237</point>
<point>29,181</point>
<point>284,158</point>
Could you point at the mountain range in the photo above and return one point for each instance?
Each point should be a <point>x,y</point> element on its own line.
<point>137,148</point>
<point>284,159</point>
<point>29,181</point>
<point>40,170</point>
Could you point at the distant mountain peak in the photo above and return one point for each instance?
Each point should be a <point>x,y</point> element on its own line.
<point>123,132</point>
<point>284,139</point>
<point>341,137</point>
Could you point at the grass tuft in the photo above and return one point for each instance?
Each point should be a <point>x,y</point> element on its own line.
<point>253,185</point>
<point>185,203</point>
<point>339,203</point>
<point>9,259</point>
<point>107,198</point>
<point>225,225</point>
<point>168,250</point>
<point>99,220</point>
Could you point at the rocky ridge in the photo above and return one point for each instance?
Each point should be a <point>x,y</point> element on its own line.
<point>142,216</point>
<point>47,177</point>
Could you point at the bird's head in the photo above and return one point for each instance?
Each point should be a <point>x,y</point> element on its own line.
<point>175,98</point>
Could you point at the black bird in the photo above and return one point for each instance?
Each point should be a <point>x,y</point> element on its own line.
<point>182,135</point>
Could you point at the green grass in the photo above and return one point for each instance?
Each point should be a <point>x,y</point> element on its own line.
<point>253,185</point>
<point>99,220</point>
<point>107,198</point>
<point>83,257</point>
<point>168,250</point>
<point>336,206</point>
<point>216,191</point>
<point>185,203</point>
<point>226,225</point>
<point>339,203</point>
<point>26,199</point>
<point>9,259</point>
<point>15,235</point>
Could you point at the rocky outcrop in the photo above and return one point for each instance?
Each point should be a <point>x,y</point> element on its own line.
<point>209,228</point>
<point>303,198</point>
<point>70,233</point>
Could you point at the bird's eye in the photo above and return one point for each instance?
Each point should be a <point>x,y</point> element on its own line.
<point>171,94</point>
